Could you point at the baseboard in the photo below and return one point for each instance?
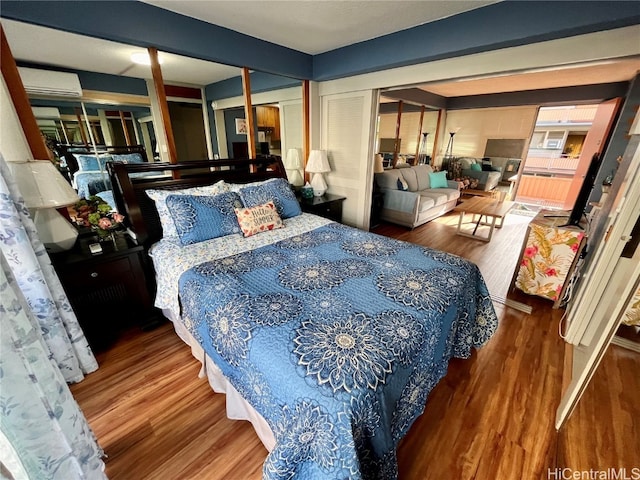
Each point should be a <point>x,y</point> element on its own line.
<point>522,307</point>
<point>625,343</point>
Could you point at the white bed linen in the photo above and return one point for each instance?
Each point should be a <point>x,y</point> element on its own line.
<point>237,407</point>
<point>171,259</point>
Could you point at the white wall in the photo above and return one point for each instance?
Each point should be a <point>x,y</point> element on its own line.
<point>409,129</point>
<point>477,125</point>
<point>348,135</point>
<point>13,143</point>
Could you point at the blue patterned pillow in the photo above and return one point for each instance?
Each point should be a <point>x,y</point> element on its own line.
<point>199,218</point>
<point>89,163</point>
<point>277,191</point>
<point>160,199</point>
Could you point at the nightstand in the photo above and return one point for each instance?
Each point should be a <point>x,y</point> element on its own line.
<point>377,204</point>
<point>108,291</point>
<point>328,206</point>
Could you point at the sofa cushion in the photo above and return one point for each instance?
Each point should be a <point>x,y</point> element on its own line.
<point>409,174</point>
<point>466,162</point>
<point>438,179</point>
<point>451,193</point>
<point>422,175</point>
<point>439,196</point>
<point>426,202</point>
<point>402,184</point>
<point>388,179</point>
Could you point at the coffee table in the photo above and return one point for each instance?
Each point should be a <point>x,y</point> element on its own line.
<point>491,209</point>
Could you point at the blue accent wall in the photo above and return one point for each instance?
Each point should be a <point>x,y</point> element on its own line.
<point>102,82</point>
<point>112,83</point>
<point>505,24</point>
<point>144,25</point>
<point>260,82</point>
<point>230,116</point>
<point>500,25</point>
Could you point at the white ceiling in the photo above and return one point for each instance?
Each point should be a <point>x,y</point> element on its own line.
<point>46,46</point>
<point>318,26</point>
<point>310,26</point>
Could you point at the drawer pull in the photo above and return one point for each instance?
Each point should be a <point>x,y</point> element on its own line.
<point>94,274</point>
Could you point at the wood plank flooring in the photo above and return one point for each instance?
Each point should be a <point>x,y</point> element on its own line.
<point>491,417</point>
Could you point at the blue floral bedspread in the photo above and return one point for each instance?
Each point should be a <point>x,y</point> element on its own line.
<point>336,337</point>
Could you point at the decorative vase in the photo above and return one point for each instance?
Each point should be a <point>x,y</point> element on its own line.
<point>105,236</point>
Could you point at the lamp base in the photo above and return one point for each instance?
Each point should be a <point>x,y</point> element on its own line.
<point>318,184</point>
<point>55,232</point>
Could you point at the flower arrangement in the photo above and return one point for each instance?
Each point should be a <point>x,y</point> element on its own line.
<point>94,212</point>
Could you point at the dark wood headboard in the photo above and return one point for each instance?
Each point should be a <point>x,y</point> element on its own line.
<point>140,211</point>
<point>69,152</point>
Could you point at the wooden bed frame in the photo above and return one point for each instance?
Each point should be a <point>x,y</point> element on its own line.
<point>140,211</point>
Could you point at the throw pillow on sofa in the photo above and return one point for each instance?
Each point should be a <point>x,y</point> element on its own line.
<point>438,179</point>
<point>476,167</point>
<point>403,185</point>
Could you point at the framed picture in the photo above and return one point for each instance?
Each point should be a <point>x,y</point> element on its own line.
<point>241,126</point>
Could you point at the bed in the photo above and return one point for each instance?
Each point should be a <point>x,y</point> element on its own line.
<point>327,338</point>
<point>87,171</point>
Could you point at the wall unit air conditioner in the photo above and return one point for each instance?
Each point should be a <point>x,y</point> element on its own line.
<point>46,113</point>
<point>49,83</point>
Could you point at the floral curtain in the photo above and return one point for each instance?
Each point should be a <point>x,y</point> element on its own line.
<point>30,265</point>
<point>42,347</point>
<point>45,434</point>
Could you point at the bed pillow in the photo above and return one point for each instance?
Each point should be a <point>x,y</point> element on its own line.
<point>260,218</point>
<point>200,218</point>
<point>160,196</point>
<point>277,191</point>
<point>87,162</point>
<point>127,158</point>
<point>236,187</point>
<point>476,167</point>
<point>438,179</point>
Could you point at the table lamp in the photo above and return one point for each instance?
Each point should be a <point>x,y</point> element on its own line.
<point>44,189</point>
<point>318,164</point>
<point>293,164</point>
<point>378,166</point>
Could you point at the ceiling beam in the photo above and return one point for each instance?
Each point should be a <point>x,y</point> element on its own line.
<point>248,112</point>
<point>544,97</point>
<point>418,96</point>
<point>162,103</point>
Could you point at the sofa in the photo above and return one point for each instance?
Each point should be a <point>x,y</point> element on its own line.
<point>487,175</point>
<point>409,197</point>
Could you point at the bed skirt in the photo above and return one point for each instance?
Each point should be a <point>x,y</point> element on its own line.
<point>237,407</point>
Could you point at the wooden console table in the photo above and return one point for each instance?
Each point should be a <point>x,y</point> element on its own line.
<point>483,207</point>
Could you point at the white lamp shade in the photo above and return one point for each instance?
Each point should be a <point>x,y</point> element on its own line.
<point>378,167</point>
<point>295,177</point>
<point>293,160</point>
<point>318,162</point>
<point>42,185</point>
